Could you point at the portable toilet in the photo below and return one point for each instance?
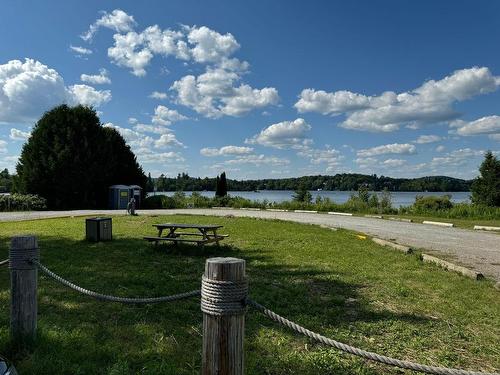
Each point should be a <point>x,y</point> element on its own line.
<point>119,196</point>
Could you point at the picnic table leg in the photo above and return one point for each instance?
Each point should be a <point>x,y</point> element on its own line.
<point>160,231</point>
<point>216,238</point>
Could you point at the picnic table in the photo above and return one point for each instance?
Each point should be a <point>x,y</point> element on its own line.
<point>208,233</point>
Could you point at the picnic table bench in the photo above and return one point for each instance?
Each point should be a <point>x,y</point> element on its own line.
<point>208,234</point>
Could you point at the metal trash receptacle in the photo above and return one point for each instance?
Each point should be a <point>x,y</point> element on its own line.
<point>98,229</point>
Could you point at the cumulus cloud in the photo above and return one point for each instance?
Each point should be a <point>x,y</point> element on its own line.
<point>80,50</point>
<point>483,125</point>
<point>214,94</point>
<point>258,160</point>
<point>394,148</point>
<point>209,45</point>
<point>29,88</point>
<point>96,79</point>
<point>328,155</point>
<point>167,140</point>
<point>145,128</point>
<point>440,148</point>
<point>158,95</point>
<point>3,147</point>
<point>133,138</point>
<point>430,103</point>
<point>166,116</point>
<point>283,134</point>
<point>145,156</point>
<point>117,20</point>
<point>18,135</point>
<point>226,150</point>
<point>87,95</point>
<point>423,139</point>
<point>394,162</point>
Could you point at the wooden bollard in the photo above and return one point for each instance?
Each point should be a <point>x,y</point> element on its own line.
<point>23,296</point>
<point>223,331</point>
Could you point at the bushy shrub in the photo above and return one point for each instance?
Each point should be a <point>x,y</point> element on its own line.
<point>432,203</point>
<point>22,202</point>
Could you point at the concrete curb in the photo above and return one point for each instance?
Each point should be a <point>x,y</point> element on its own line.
<point>452,267</point>
<point>438,223</point>
<point>339,213</point>
<point>306,211</point>
<point>400,219</point>
<point>275,210</point>
<point>402,248</point>
<point>375,216</point>
<point>250,209</point>
<point>483,227</point>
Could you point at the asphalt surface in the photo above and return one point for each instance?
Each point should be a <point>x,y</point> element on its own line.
<point>474,249</point>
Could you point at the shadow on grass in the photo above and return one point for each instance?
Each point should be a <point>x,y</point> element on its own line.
<point>74,328</point>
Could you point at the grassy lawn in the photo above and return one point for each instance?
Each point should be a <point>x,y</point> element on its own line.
<point>332,282</point>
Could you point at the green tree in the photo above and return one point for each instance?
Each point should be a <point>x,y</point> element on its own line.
<point>486,187</point>
<point>150,184</point>
<point>71,160</point>
<point>302,194</point>
<point>221,185</point>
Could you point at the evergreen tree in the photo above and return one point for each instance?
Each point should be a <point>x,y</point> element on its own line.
<point>71,160</point>
<point>302,194</point>
<point>150,185</point>
<point>223,184</point>
<point>486,187</point>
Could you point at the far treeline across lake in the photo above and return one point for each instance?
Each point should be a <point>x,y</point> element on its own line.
<point>338,182</point>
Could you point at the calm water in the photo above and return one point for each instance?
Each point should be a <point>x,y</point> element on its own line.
<point>405,198</point>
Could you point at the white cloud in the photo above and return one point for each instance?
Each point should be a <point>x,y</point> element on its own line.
<point>19,135</point>
<point>133,138</point>
<point>87,95</point>
<point>283,134</point>
<point>428,139</point>
<point>158,95</point>
<point>3,147</point>
<point>117,20</point>
<point>166,116</point>
<point>213,94</point>
<point>97,79</point>
<point>128,51</point>
<point>167,140</point>
<point>145,128</point>
<point>209,45</point>
<point>329,155</point>
<point>430,103</point>
<point>147,157</point>
<point>80,50</point>
<point>483,125</point>
<point>394,162</point>
<point>258,160</point>
<point>226,150</point>
<point>132,120</point>
<point>29,88</point>
<point>395,148</point>
<point>440,148</point>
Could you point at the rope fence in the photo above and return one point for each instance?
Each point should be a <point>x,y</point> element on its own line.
<point>224,302</point>
<point>360,352</point>
<point>109,298</point>
<point>6,261</point>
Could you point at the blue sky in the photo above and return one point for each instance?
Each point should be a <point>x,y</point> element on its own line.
<point>263,88</point>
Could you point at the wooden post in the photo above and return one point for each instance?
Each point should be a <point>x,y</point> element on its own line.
<point>223,335</point>
<point>23,279</point>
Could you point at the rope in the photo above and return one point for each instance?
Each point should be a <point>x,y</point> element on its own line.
<point>104,297</point>
<point>359,352</point>
<point>220,297</point>
<point>6,261</point>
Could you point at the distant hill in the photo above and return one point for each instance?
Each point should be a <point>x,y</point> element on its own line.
<point>345,181</point>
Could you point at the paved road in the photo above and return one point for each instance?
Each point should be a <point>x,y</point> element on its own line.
<point>477,250</point>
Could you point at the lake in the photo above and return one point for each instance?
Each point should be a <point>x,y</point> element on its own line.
<point>399,198</point>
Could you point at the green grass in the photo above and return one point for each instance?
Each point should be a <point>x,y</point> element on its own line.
<point>332,282</point>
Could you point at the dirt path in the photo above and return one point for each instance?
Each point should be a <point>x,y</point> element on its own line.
<point>477,250</point>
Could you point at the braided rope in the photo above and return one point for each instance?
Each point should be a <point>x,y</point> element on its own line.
<point>6,261</point>
<point>221,297</point>
<point>105,297</point>
<point>359,352</point>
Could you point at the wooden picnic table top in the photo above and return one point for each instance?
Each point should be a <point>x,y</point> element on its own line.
<point>186,226</point>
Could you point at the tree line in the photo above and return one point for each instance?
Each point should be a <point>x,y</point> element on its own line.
<point>343,182</point>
